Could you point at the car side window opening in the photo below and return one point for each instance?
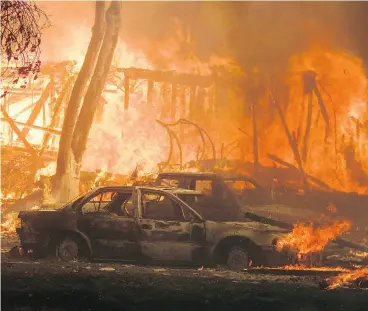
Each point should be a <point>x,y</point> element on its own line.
<point>204,186</point>
<point>172,183</point>
<point>107,202</point>
<point>159,206</point>
<point>240,185</point>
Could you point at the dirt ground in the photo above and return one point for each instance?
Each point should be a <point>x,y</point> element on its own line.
<point>53,285</point>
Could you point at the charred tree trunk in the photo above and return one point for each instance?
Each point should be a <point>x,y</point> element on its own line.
<point>93,95</point>
<point>74,138</point>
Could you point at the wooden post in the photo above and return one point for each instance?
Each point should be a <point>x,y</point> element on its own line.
<point>127,90</point>
<point>56,111</point>
<point>38,107</point>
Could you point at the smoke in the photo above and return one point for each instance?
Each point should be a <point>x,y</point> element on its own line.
<point>264,34</point>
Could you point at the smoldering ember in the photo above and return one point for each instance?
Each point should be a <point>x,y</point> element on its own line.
<point>184,155</point>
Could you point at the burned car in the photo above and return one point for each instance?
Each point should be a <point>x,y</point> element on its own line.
<point>232,196</point>
<point>236,195</point>
<point>146,224</point>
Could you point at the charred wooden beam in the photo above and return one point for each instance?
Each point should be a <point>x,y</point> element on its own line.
<point>56,113</point>
<point>174,77</point>
<point>38,107</point>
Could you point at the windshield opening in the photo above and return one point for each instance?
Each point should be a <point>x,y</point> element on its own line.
<point>76,199</point>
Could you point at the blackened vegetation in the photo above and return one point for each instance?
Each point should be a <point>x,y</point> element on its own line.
<point>21,24</point>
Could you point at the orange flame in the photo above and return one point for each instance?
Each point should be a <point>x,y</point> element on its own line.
<point>347,277</point>
<point>305,239</point>
<point>122,140</point>
<point>9,223</point>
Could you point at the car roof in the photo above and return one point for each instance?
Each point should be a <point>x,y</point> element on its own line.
<point>183,191</point>
<point>224,176</point>
<point>115,188</point>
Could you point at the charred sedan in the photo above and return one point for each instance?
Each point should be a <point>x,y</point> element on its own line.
<point>145,224</point>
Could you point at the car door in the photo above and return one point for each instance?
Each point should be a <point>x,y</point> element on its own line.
<point>169,230</point>
<point>112,232</point>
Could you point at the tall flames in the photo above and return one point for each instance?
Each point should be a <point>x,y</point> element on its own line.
<point>120,141</point>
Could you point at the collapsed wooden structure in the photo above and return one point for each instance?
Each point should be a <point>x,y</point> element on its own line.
<point>54,93</point>
<point>182,94</point>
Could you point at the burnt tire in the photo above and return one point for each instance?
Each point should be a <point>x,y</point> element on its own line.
<point>237,259</point>
<point>67,249</point>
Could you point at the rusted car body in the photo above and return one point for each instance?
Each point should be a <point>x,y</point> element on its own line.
<point>146,224</point>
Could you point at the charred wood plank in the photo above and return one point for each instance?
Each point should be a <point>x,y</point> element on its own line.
<point>174,77</point>
<point>56,113</point>
<point>38,107</point>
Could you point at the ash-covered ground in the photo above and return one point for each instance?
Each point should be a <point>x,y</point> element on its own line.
<point>53,285</point>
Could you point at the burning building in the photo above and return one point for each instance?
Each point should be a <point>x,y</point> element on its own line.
<point>296,119</point>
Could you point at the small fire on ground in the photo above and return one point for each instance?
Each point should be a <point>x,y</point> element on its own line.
<point>307,240</point>
<point>348,277</point>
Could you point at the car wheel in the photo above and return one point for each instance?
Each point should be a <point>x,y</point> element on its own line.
<point>67,249</point>
<point>237,259</point>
